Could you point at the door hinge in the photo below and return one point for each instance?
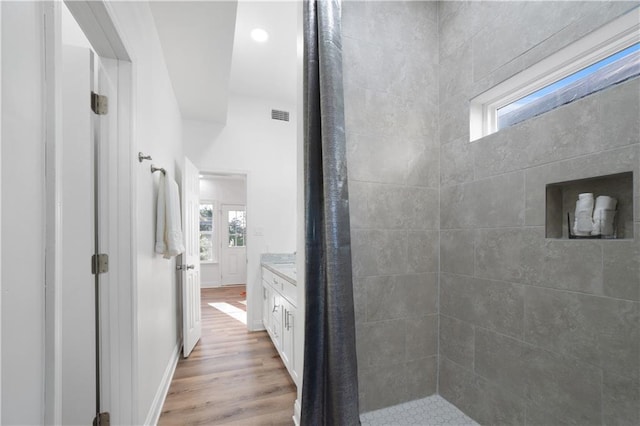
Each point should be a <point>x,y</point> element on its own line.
<point>102,419</point>
<point>99,104</point>
<point>99,263</point>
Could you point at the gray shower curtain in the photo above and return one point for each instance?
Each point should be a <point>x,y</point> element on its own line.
<point>330,378</point>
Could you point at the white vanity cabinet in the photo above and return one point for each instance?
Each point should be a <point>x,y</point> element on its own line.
<point>279,315</point>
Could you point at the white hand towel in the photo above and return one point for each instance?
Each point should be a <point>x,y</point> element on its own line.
<point>169,237</point>
<point>173,232</point>
<point>161,246</point>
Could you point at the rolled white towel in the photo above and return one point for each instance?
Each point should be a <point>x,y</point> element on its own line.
<point>603,222</point>
<point>604,202</point>
<point>583,224</point>
<point>603,215</point>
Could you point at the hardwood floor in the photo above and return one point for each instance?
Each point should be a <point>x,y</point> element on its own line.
<point>232,377</point>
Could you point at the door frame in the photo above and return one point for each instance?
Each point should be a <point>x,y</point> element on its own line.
<point>96,18</point>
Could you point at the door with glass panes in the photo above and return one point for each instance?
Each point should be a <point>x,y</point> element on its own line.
<point>233,245</point>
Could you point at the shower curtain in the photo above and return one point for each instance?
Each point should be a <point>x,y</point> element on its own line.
<point>330,378</point>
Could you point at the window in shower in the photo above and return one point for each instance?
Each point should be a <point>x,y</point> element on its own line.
<point>607,72</point>
<point>604,58</point>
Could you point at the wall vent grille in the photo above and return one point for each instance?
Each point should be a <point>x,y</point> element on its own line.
<point>279,115</point>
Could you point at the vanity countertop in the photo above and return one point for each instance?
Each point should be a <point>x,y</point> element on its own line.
<point>284,265</point>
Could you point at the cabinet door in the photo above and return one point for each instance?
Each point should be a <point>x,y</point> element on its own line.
<point>288,340</point>
<point>276,319</point>
<point>266,307</point>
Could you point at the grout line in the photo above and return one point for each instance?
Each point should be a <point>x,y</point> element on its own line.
<point>529,167</point>
<point>602,296</point>
<point>566,356</point>
<point>602,419</point>
<point>473,357</point>
<point>506,228</point>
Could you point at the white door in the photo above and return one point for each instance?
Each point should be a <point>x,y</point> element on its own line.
<point>233,245</point>
<point>191,322</point>
<point>83,132</point>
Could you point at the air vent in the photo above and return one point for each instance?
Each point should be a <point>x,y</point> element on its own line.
<point>279,115</point>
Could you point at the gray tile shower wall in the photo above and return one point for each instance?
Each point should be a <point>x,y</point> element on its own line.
<point>533,330</point>
<point>390,62</point>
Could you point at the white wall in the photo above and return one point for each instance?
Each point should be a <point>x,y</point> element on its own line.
<point>22,219</point>
<point>0,214</point>
<point>222,191</point>
<point>157,132</point>
<point>265,149</point>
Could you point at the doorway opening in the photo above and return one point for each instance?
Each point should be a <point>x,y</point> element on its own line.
<point>223,229</point>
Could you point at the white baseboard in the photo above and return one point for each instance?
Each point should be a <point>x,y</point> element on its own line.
<point>161,394</point>
<point>297,410</point>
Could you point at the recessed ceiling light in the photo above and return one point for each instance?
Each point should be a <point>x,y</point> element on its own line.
<point>259,35</point>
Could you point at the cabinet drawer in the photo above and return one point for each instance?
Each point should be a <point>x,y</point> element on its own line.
<point>290,292</point>
<point>277,282</point>
<point>267,276</point>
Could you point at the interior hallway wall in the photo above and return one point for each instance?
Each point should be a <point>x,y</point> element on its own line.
<point>390,62</point>
<point>265,149</point>
<point>533,330</point>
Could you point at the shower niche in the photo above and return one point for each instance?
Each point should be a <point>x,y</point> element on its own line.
<point>561,200</point>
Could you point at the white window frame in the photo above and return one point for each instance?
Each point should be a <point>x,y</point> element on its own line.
<point>214,237</point>
<point>601,43</point>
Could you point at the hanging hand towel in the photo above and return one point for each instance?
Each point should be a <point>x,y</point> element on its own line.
<point>169,222</point>
<point>173,232</point>
<point>161,246</point>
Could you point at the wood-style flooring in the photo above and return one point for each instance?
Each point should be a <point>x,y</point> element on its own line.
<point>232,377</point>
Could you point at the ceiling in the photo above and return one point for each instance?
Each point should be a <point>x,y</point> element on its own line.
<point>210,54</point>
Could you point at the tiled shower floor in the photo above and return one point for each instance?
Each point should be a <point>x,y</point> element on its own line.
<point>430,411</point>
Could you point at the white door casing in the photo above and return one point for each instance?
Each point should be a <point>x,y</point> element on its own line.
<point>191,321</point>
<point>233,258</point>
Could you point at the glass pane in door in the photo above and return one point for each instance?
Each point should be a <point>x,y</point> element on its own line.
<point>237,228</point>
